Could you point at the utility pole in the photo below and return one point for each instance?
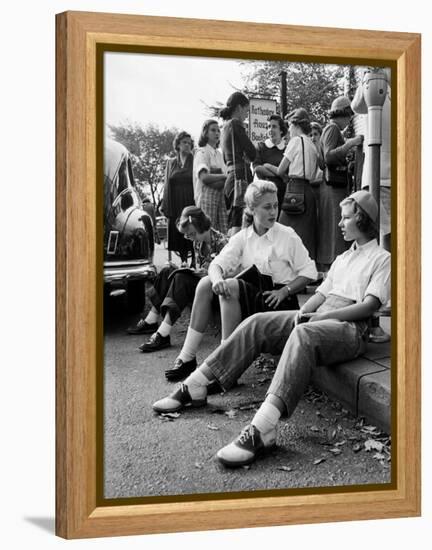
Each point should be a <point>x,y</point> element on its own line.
<point>283,93</point>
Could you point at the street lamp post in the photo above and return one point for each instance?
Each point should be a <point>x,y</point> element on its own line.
<point>374,93</point>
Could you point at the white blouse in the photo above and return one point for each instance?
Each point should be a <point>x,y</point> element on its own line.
<point>206,158</point>
<point>359,272</point>
<point>294,154</point>
<point>279,252</point>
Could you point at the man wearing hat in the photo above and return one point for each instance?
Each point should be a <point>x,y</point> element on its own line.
<point>330,328</point>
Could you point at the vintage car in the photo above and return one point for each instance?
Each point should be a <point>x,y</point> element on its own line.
<point>128,230</point>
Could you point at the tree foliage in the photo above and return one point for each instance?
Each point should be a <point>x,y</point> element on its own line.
<point>312,86</point>
<point>150,147</point>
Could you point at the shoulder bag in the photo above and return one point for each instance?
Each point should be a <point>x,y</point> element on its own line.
<point>294,198</point>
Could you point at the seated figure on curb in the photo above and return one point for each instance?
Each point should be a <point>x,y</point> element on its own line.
<point>275,250</point>
<point>331,327</point>
<point>174,289</point>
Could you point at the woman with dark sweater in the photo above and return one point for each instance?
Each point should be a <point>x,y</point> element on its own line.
<point>178,193</point>
<point>271,152</point>
<point>237,148</point>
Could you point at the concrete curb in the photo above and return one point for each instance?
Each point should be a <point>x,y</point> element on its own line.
<point>363,385</point>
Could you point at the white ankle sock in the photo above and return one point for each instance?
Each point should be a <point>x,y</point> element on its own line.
<point>197,383</point>
<point>191,343</point>
<point>164,329</point>
<point>152,317</point>
<point>266,417</point>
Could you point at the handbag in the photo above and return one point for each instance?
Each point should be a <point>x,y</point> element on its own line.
<point>240,185</point>
<point>294,198</point>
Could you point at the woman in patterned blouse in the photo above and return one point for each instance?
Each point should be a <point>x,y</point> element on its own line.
<point>174,289</point>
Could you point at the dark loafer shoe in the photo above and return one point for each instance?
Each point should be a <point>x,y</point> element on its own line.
<point>155,343</point>
<point>180,370</point>
<point>178,400</point>
<point>142,327</point>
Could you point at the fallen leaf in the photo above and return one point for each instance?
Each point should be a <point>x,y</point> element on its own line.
<point>198,465</point>
<point>319,460</point>
<point>370,430</point>
<point>379,456</point>
<point>171,415</point>
<point>211,427</point>
<point>318,413</point>
<point>285,468</point>
<point>357,447</point>
<point>231,413</point>
<point>335,451</point>
<point>314,429</point>
<point>373,445</point>
<point>340,443</point>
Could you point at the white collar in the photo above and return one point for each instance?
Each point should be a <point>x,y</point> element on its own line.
<point>366,248</point>
<point>250,232</point>
<point>268,143</point>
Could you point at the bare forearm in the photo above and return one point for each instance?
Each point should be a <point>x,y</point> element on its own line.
<point>356,312</point>
<point>215,273</point>
<point>264,171</point>
<point>313,303</point>
<point>215,181</point>
<point>298,284</point>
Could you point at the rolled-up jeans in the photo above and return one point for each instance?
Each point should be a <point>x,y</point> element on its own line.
<point>302,347</point>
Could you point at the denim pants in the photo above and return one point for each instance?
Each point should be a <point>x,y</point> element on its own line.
<point>302,348</point>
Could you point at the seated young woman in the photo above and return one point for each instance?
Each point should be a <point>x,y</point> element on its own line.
<point>331,327</point>
<point>174,289</point>
<point>276,250</point>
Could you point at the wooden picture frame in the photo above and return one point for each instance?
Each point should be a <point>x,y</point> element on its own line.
<point>78,292</point>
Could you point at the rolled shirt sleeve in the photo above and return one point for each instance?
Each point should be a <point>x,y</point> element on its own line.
<point>380,283</point>
<point>230,257</point>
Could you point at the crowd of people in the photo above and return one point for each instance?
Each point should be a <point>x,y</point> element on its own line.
<point>257,224</point>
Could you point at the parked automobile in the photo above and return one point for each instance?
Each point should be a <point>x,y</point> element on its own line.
<point>128,230</point>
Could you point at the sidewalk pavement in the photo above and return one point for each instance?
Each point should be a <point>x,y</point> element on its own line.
<point>363,385</point>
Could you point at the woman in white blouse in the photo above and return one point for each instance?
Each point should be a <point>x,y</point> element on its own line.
<point>209,174</point>
<point>276,250</point>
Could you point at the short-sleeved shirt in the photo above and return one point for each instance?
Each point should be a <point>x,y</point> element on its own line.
<point>279,253</point>
<point>360,271</point>
<point>294,153</point>
<point>210,160</point>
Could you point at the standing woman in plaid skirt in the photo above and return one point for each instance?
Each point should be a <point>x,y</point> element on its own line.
<point>209,173</point>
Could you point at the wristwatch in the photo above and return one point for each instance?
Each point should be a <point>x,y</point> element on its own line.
<point>289,291</point>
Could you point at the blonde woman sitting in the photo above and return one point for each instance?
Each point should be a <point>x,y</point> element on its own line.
<point>276,250</point>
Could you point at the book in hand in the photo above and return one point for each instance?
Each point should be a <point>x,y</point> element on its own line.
<point>253,276</point>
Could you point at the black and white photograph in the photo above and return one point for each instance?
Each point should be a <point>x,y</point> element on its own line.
<point>247,275</point>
